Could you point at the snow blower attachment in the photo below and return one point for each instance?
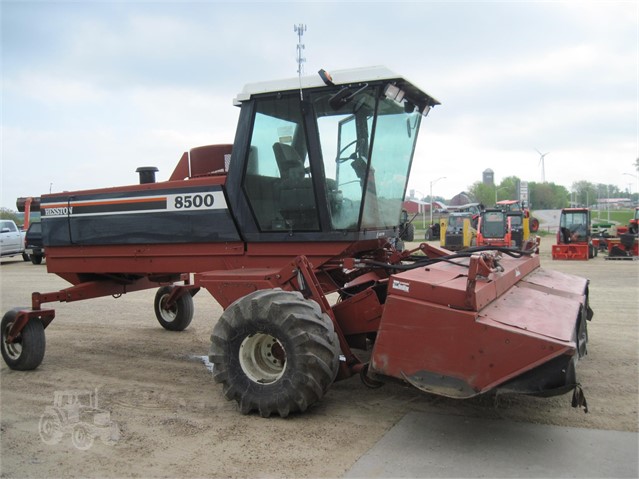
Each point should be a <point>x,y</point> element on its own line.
<point>304,207</point>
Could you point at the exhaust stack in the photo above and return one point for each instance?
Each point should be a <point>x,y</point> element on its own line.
<point>147,174</point>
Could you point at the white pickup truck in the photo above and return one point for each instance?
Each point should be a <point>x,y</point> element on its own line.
<point>11,240</point>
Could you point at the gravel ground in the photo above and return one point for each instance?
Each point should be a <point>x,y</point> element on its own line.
<point>173,421</point>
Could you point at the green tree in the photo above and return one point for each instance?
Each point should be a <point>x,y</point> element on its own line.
<point>490,194</point>
<point>507,189</point>
<point>544,196</point>
<point>608,191</point>
<point>584,193</point>
<point>7,214</point>
<point>482,193</point>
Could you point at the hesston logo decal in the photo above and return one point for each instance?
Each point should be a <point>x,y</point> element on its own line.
<point>58,211</point>
<point>149,204</point>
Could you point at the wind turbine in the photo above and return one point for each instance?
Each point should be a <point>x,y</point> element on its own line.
<point>541,162</point>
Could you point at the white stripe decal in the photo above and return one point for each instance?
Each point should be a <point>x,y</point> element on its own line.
<point>188,202</point>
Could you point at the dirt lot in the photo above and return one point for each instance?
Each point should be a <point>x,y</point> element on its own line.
<point>174,421</point>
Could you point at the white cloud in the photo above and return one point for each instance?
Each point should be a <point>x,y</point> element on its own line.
<point>551,66</point>
<point>53,90</point>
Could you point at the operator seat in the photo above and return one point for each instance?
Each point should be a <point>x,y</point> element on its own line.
<point>288,160</point>
<point>296,199</point>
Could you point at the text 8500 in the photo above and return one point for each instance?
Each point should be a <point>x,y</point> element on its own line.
<point>193,201</point>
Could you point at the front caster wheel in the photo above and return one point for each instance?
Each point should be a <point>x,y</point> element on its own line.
<point>274,352</point>
<point>27,350</point>
<point>179,315</point>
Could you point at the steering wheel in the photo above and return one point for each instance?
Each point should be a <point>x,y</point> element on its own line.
<point>339,158</point>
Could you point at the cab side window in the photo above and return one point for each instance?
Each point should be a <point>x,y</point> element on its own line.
<point>277,181</point>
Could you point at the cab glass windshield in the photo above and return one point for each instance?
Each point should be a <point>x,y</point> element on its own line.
<point>366,149</point>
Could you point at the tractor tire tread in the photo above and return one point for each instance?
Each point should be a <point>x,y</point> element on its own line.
<point>311,345</point>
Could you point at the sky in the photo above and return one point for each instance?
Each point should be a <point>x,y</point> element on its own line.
<point>93,90</point>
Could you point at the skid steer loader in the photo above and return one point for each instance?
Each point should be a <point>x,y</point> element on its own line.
<point>299,209</point>
<point>458,232</point>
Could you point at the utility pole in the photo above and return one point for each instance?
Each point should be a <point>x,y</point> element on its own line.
<point>431,197</point>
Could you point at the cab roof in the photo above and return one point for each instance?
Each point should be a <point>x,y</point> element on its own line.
<point>338,77</point>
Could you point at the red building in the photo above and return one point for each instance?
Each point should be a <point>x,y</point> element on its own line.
<point>418,206</point>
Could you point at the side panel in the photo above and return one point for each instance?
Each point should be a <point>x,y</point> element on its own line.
<point>456,353</point>
<point>164,215</point>
<point>440,348</point>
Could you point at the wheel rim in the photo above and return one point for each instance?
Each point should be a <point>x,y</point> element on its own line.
<point>168,314</point>
<point>13,350</point>
<point>262,358</point>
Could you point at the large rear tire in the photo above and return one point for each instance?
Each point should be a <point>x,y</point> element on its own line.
<point>179,316</point>
<point>274,352</point>
<point>27,351</point>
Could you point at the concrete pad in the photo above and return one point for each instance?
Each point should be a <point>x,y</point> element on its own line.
<point>432,445</point>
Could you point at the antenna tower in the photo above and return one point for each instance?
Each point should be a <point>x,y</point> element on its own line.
<point>300,29</point>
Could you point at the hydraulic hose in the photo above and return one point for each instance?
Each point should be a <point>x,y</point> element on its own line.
<point>421,261</point>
